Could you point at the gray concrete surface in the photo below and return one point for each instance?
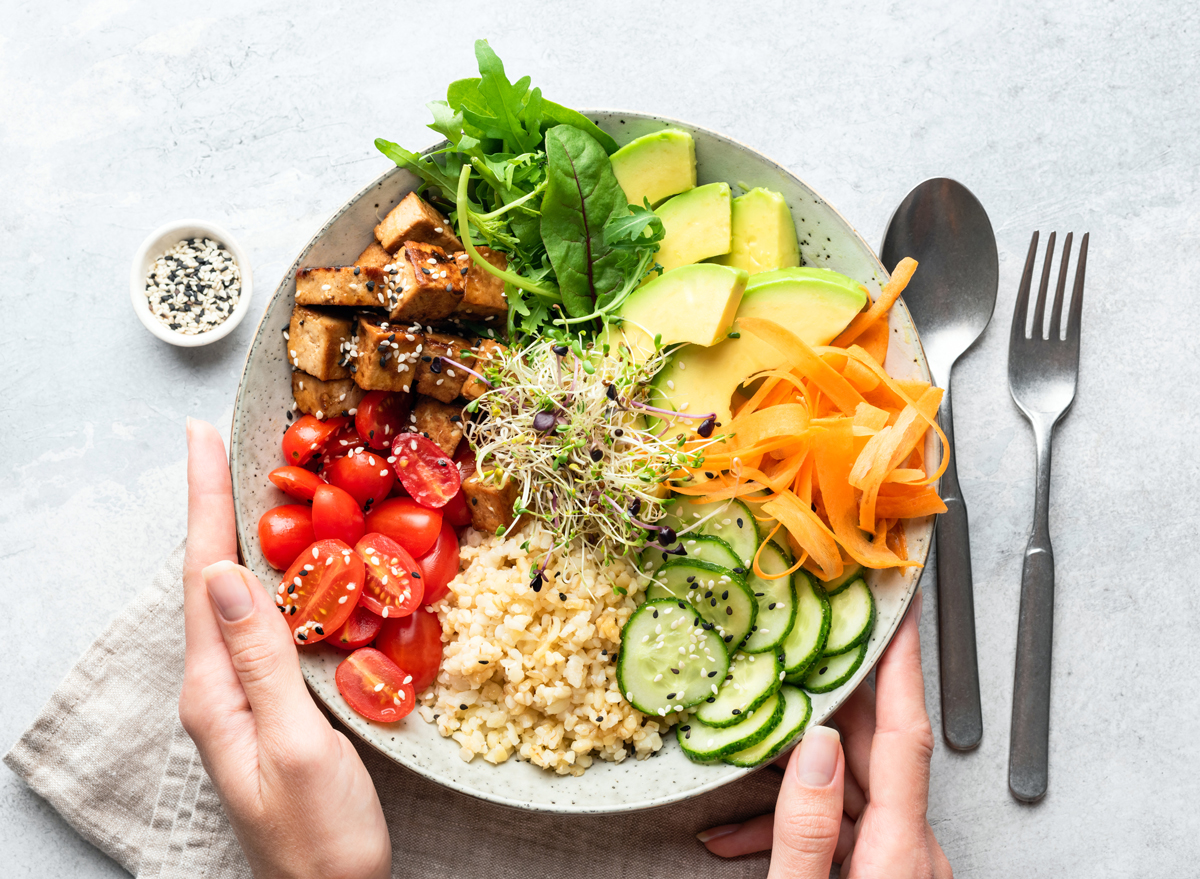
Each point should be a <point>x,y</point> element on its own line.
<point>116,116</point>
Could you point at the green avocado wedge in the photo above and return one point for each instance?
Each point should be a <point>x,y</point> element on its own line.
<point>697,226</point>
<point>764,233</point>
<point>694,304</point>
<point>656,166</point>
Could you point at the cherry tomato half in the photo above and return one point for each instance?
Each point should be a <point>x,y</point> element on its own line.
<point>381,416</point>
<point>320,590</point>
<point>296,481</point>
<point>335,514</point>
<point>359,630</point>
<point>440,565</point>
<point>415,644</point>
<point>375,687</point>
<point>285,532</point>
<point>428,474</point>
<point>408,523</point>
<point>367,476</point>
<point>307,438</point>
<point>394,586</point>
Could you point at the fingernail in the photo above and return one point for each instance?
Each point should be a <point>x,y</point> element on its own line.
<point>229,591</point>
<point>717,832</point>
<point>818,756</point>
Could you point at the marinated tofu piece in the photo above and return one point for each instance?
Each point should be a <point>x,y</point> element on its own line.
<point>374,257</point>
<point>386,355</point>
<point>483,292</point>
<point>427,286</point>
<point>414,220</point>
<point>473,388</point>
<point>319,341</point>
<point>325,399</point>
<point>437,378</point>
<point>352,286</point>
<point>440,422</point>
<point>491,503</point>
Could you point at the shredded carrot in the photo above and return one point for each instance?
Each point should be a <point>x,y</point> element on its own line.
<point>874,340</point>
<point>805,361</point>
<point>758,553</point>
<point>807,529</point>
<point>887,296</point>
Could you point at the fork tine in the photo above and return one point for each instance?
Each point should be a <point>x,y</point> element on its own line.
<point>1037,331</point>
<point>1073,319</point>
<point>1021,310</point>
<point>1056,310</point>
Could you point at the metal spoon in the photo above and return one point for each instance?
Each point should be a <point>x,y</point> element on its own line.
<point>951,298</point>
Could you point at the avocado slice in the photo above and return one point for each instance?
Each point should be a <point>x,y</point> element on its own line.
<point>695,304</point>
<point>656,166</point>
<point>764,233</point>
<point>814,304</point>
<point>697,225</point>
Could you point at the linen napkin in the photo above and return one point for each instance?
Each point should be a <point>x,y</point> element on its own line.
<point>108,752</point>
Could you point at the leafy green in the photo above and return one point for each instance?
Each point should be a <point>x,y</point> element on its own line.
<point>548,215</point>
<point>582,195</point>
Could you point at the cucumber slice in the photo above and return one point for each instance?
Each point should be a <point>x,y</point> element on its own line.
<point>850,572</point>
<point>729,520</point>
<point>705,743</point>
<point>749,683</point>
<point>805,643</point>
<point>720,595</point>
<point>668,659</point>
<point>830,672</point>
<point>853,611</point>
<point>796,711</point>
<point>698,548</point>
<point>776,602</point>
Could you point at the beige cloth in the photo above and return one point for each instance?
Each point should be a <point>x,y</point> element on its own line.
<point>109,754</point>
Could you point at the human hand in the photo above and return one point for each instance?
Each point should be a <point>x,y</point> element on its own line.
<point>862,807</point>
<point>295,790</point>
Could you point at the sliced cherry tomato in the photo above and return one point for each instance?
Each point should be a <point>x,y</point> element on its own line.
<point>415,644</point>
<point>394,585</point>
<point>440,565</point>
<point>375,687</point>
<point>359,630</point>
<point>284,532</point>
<point>320,590</point>
<point>296,481</point>
<point>381,416</point>
<point>307,438</point>
<point>429,475</point>
<point>458,512</point>
<point>335,514</point>
<point>464,457</point>
<point>408,523</point>
<point>366,476</point>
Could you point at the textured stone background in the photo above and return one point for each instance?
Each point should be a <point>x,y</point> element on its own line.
<point>116,116</point>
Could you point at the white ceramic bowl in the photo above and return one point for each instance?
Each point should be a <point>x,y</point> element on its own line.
<point>161,240</point>
<point>826,239</point>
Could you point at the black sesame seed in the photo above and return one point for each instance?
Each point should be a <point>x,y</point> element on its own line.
<point>462,271</point>
<point>725,595</point>
<point>435,365</point>
<point>462,707</point>
<point>712,674</point>
<point>671,695</point>
<point>302,636</point>
<point>320,631</point>
<point>370,286</point>
<point>562,597</point>
<point>291,589</point>
<point>771,606</point>
<point>737,711</point>
<point>292,610</point>
<point>711,699</point>
<point>674,671</point>
<point>728,638</point>
<point>357,270</point>
<point>655,614</point>
<point>741,524</point>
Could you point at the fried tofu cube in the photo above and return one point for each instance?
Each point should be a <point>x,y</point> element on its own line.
<point>414,220</point>
<point>435,377</point>
<point>427,286</point>
<point>487,349</point>
<point>440,422</point>
<point>325,399</point>
<point>319,340</point>
<point>351,286</point>
<point>386,355</point>
<point>491,503</point>
<point>374,257</point>
<point>483,292</point>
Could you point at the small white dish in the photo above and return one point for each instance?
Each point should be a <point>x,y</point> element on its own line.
<point>163,239</point>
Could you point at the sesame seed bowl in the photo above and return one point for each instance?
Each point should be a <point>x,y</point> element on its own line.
<point>260,417</point>
<point>190,283</point>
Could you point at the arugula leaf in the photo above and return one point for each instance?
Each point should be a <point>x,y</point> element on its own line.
<point>425,167</point>
<point>505,103</point>
<point>582,195</point>
<point>641,227</point>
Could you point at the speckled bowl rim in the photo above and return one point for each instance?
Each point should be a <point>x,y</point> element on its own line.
<point>244,528</point>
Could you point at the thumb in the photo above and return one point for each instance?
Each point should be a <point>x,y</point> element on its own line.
<point>808,816</point>
<point>260,648</point>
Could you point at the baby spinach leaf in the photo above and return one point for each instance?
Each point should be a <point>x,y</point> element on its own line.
<point>559,115</point>
<point>582,195</point>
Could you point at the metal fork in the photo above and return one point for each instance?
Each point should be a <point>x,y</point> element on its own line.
<point>1042,368</point>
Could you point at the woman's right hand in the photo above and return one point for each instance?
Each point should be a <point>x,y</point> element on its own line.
<point>862,806</point>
